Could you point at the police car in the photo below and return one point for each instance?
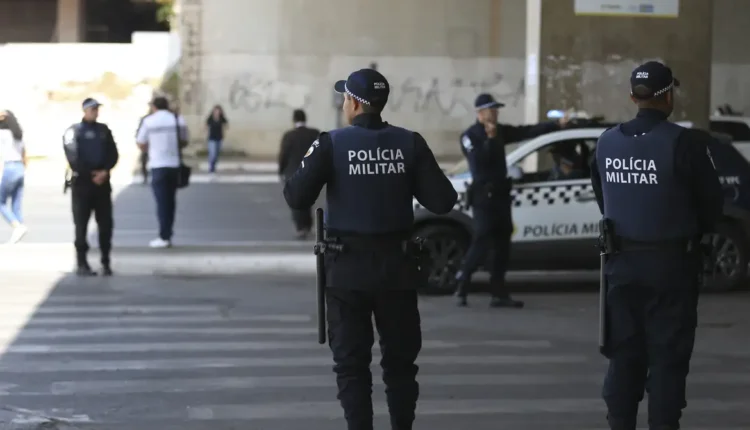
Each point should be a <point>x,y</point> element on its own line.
<point>556,221</point>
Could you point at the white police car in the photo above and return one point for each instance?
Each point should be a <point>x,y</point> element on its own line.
<point>556,221</point>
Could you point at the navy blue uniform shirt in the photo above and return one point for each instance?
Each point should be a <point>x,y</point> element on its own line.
<point>424,179</point>
<point>90,146</point>
<point>486,156</point>
<point>692,164</point>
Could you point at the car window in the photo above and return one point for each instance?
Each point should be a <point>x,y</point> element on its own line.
<point>560,161</point>
<point>738,130</point>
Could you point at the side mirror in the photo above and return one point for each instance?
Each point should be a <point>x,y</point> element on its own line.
<point>515,173</point>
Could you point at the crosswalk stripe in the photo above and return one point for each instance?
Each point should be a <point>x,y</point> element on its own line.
<point>332,409</point>
<point>31,366</point>
<point>226,346</point>
<point>153,331</point>
<point>165,319</point>
<point>134,309</point>
<point>182,385</point>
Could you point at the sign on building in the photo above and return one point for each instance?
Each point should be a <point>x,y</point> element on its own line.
<point>629,8</point>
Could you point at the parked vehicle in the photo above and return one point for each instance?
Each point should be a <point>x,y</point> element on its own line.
<point>556,222</point>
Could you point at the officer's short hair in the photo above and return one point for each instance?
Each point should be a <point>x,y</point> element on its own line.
<point>299,116</point>
<point>373,108</point>
<point>161,103</point>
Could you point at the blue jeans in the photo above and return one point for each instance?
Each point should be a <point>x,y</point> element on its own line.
<point>11,187</point>
<point>164,184</point>
<point>214,148</point>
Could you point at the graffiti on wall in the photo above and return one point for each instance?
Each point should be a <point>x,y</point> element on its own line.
<point>250,93</point>
<point>453,96</point>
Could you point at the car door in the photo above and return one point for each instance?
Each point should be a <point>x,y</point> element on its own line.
<point>555,219</point>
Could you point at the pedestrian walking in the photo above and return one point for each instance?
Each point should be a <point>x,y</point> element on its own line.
<point>371,171</point>
<point>294,145</point>
<point>659,192</point>
<point>162,135</point>
<point>13,157</point>
<point>216,125</point>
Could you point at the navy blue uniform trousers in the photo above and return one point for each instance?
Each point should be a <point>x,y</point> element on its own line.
<point>493,227</point>
<point>379,285</point>
<point>652,305</point>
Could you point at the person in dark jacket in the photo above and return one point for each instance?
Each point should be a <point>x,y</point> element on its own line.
<point>656,185</point>
<point>483,145</point>
<point>92,153</point>
<point>216,125</point>
<point>294,145</point>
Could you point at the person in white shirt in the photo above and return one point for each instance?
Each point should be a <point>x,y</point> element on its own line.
<point>13,156</point>
<point>162,135</point>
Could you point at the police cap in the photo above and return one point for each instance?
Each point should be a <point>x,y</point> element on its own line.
<point>90,103</point>
<point>486,101</point>
<point>367,86</point>
<point>655,77</point>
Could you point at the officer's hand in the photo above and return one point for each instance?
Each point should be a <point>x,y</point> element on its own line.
<point>490,127</point>
<point>566,118</point>
<point>100,176</point>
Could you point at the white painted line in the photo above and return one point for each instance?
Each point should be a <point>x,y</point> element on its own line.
<point>332,409</point>
<point>182,385</point>
<point>285,361</point>
<point>119,332</point>
<point>94,348</point>
<point>140,309</point>
<point>166,319</point>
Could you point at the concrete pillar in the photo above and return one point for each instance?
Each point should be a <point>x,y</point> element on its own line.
<point>585,61</point>
<point>70,21</point>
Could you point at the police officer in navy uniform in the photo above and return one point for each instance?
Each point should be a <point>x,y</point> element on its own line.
<point>483,146</point>
<point>91,152</point>
<point>371,171</point>
<point>656,183</point>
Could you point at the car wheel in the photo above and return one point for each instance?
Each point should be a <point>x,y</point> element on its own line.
<point>446,246</point>
<point>728,270</point>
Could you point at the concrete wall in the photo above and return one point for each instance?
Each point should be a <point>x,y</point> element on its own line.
<point>730,74</point>
<point>586,61</point>
<point>260,59</point>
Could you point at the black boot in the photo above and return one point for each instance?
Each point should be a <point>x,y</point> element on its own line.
<point>462,293</point>
<point>106,269</point>
<point>84,269</point>
<point>505,302</point>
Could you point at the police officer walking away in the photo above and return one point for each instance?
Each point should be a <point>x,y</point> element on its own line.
<point>658,190</point>
<point>489,193</point>
<point>91,152</point>
<point>372,170</point>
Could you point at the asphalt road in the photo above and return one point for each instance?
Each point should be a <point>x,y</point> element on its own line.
<point>135,353</point>
<point>230,214</point>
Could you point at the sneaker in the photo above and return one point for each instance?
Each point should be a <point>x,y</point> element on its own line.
<point>160,243</point>
<point>18,234</point>
<point>107,270</point>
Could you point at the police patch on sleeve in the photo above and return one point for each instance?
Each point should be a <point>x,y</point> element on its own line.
<point>708,152</point>
<point>466,142</point>
<point>69,136</point>
<point>312,148</point>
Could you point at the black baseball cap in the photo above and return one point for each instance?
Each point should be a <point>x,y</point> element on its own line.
<point>367,86</point>
<point>486,101</point>
<point>655,76</point>
<point>90,103</point>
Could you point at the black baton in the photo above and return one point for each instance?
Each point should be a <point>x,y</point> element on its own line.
<point>321,274</point>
